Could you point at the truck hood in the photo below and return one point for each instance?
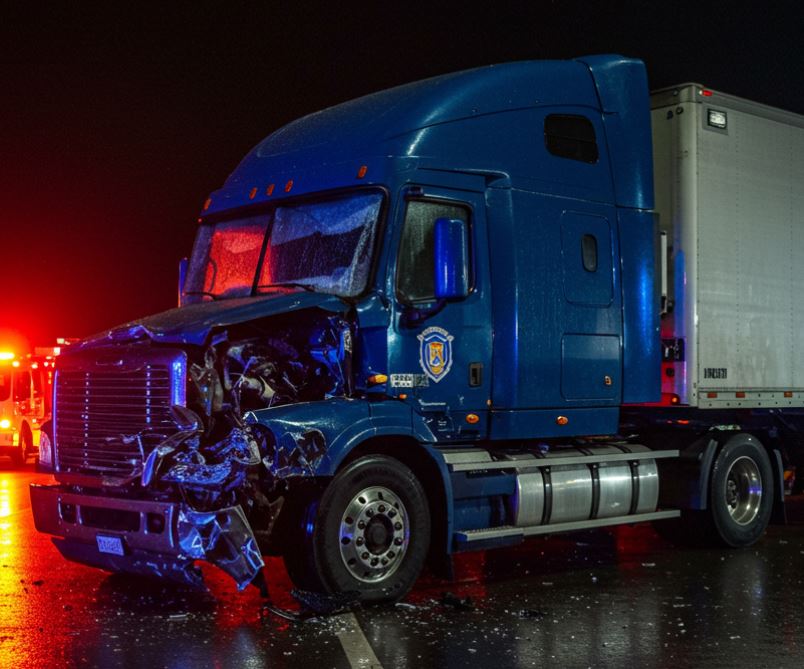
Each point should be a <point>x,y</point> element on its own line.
<point>192,324</point>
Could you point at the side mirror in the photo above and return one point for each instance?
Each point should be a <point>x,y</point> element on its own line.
<point>451,237</point>
<point>183,263</point>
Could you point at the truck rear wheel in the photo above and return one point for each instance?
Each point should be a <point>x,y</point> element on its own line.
<point>369,532</point>
<point>741,492</point>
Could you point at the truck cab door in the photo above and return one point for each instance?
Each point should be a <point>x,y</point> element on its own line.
<point>440,350</point>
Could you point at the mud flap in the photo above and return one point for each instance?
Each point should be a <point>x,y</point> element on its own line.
<point>223,538</point>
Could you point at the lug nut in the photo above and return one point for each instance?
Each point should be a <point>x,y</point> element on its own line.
<point>359,541</point>
<point>381,508</point>
<point>364,556</point>
<point>369,512</point>
<point>384,562</point>
<point>374,562</point>
<point>397,526</point>
<point>391,555</point>
<point>398,541</point>
<point>361,525</point>
<point>391,513</point>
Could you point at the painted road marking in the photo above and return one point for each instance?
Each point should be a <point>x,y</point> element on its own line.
<point>355,644</point>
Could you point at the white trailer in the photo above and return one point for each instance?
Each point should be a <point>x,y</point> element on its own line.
<point>729,180</point>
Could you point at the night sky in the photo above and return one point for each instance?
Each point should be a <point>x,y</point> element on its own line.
<point>115,125</point>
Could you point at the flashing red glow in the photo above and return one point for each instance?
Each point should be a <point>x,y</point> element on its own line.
<point>706,93</point>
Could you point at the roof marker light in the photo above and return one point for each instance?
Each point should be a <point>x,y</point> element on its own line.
<point>207,203</point>
<point>362,171</point>
<point>253,193</point>
<point>788,393</point>
<point>288,186</point>
<point>270,190</point>
<point>706,92</point>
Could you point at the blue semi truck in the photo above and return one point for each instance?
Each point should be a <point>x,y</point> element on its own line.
<point>450,316</point>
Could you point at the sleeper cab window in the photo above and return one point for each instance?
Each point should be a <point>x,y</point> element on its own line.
<point>570,136</point>
<point>414,280</point>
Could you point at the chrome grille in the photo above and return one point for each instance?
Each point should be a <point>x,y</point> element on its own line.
<point>100,409</point>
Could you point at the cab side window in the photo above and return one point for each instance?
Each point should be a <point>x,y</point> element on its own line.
<point>414,280</point>
<point>22,386</point>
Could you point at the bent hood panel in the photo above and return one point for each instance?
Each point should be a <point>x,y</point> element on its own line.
<point>191,324</point>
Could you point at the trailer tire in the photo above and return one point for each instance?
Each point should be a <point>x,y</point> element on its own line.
<point>369,532</point>
<point>740,492</point>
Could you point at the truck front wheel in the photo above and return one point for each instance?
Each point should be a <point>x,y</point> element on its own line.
<point>369,532</point>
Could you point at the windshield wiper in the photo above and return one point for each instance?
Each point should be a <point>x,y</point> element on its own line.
<point>290,284</point>
<point>202,292</point>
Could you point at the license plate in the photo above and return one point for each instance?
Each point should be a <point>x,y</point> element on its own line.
<point>110,545</point>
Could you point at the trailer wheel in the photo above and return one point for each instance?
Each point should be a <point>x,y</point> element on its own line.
<point>740,492</point>
<point>369,533</point>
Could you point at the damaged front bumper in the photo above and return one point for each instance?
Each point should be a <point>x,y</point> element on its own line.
<point>154,538</point>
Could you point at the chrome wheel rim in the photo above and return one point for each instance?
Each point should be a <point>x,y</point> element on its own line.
<point>743,490</point>
<point>374,534</point>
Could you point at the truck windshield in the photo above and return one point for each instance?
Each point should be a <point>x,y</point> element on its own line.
<point>324,246</point>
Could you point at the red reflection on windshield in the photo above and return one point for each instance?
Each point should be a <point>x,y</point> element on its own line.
<point>233,257</point>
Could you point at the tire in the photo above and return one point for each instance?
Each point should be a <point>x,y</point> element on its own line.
<point>25,446</point>
<point>739,500</point>
<point>740,492</point>
<point>369,533</point>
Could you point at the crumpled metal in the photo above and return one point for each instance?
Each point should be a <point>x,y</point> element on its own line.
<point>296,454</point>
<point>223,538</point>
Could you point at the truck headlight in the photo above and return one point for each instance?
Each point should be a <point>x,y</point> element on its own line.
<point>5,423</point>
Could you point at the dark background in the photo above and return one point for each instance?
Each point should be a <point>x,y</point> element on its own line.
<point>115,124</point>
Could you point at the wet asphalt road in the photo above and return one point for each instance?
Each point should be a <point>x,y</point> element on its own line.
<point>604,599</point>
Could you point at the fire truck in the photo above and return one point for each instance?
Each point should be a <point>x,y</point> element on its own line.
<point>26,383</point>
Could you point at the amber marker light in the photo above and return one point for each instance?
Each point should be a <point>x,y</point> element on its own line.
<point>562,420</point>
<point>253,193</point>
<point>472,418</point>
<point>362,171</point>
<point>377,379</point>
<point>207,203</point>
<point>788,393</point>
<point>289,186</point>
<point>403,396</point>
<point>270,190</point>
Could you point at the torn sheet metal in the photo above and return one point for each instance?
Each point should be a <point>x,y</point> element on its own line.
<point>223,538</point>
<point>295,454</point>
